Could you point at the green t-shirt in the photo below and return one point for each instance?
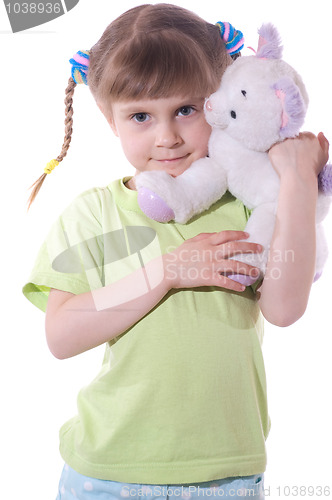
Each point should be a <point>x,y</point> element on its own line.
<point>181,395</point>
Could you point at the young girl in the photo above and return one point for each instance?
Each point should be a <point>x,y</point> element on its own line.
<point>179,406</point>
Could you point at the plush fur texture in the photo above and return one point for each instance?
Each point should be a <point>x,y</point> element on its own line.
<point>325,180</point>
<point>269,44</point>
<point>293,107</point>
<point>261,101</point>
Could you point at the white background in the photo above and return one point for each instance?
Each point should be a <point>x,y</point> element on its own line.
<point>38,392</point>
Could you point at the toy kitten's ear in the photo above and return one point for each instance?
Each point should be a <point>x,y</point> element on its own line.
<point>269,43</point>
<point>292,105</point>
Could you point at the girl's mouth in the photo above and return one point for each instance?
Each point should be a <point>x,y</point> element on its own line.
<point>173,160</point>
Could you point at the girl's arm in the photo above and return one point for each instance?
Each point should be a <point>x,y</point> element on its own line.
<point>76,323</point>
<point>291,266</point>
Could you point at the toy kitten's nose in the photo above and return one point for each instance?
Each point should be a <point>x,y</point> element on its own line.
<point>208,105</point>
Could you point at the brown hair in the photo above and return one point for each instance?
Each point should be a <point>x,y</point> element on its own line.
<point>150,51</point>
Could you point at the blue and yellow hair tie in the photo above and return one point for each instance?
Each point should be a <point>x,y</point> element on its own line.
<point>232,38</point>
<point>80,65</point>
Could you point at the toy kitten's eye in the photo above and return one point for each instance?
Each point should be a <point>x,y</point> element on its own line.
<point>243,92</point>
<point>233,114</point>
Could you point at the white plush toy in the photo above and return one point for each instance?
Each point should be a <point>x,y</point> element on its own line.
<point>261,101</point>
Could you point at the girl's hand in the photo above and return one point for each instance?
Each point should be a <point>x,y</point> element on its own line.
<point>304,155</point>
<point>204,261</point>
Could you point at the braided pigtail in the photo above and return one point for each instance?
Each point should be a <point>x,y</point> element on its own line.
<point>68,133</point>
<point>79,63</point>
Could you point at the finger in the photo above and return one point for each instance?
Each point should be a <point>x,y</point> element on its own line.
<point>201,236</point>
<point>237,267</point>
<point>224,282</point>
<point>226,236</point>
<point>324,143</point>
<point>305,135</point>
<point>234,248</point>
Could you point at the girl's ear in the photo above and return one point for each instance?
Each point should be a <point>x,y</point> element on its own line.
<point>109,119</point>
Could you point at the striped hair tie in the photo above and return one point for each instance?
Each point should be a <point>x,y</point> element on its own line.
<point>232,38</point>
<point>79,66</point>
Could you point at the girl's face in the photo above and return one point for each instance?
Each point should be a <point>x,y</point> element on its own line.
<point>162,134</point>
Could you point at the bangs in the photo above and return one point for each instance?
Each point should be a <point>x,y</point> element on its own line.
<point>156,66</point>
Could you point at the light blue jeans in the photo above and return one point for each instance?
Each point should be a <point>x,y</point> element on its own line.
<point>74,486</point>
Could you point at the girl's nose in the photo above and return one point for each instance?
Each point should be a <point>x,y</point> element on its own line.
<point>167,136</point>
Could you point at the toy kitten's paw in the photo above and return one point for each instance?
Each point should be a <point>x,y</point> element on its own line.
<point>258,261</point>
<point>317,276</point>
<point>163,197</point>
<point>325,180</point>
<point>153,206</point>
<point>155,195</point>
<point>243,279</point>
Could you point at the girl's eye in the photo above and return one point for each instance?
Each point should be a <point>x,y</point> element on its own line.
<point>140,117</point>
<point>186,110</point>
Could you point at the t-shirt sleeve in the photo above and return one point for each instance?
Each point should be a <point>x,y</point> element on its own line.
<point>71,257</point>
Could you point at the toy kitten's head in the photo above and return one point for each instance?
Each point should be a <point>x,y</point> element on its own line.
<point>261,99</point>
